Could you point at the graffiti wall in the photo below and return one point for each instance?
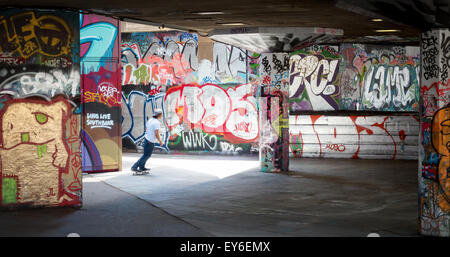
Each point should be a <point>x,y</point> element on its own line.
<point>40,149</point>
<point>230,65</point>
<point>354,77</point>
<point>379,78</point>
<point>151,63</point>
<point>208,107</point>
<point>210,117</point>
<point>274,112</point>
<point>434,156</point>
<point>314,79</point>
<point>101,91</point>
<point>365,137</point>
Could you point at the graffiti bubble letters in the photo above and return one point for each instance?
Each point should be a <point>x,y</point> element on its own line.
<point>49,35</point>
<point>317,76</point>
<point>42,83</point>
<point>389,85</point>
<point>230,112</point>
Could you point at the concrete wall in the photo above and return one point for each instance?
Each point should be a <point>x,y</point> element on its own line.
<point>372,93</point>
<point>101,89</point>
<point>355,136</point>
<point>352,80</point>
<point>354,77</point>
<point>40,107</point>
<point>209,106</point>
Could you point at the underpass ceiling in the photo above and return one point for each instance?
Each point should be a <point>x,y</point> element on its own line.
<point>351,16</point>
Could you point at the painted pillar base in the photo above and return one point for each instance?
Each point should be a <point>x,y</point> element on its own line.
<point>274,112</point>
<point>434,154</point>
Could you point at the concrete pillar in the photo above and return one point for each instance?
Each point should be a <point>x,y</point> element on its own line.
<point>274,112</point>
<point>434,156</point>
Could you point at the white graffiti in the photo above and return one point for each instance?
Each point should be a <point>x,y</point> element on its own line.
<point>384,86</point>
<point>107,89</point>
<point>214,110</point>
<point>229,148</point>
<point>42,83</point>
<point>316,75</point>
<point>194,140</point>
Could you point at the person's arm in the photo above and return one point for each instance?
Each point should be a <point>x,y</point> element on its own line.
<point>158,137</point>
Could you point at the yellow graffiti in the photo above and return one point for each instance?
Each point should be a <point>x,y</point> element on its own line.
<point>48,35</point>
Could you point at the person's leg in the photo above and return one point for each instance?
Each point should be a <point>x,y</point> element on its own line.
<point>141,161</point>
<point>148,150</point>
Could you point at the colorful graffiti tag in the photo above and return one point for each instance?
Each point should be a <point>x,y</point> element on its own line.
<point>161,59</point>
<point>314,80</point>
<point>101,91</point>
<point>214,110</point>
<point>379,78</point>
<point>39,110</point>
<point>274,113</point>
<point>434,162</point>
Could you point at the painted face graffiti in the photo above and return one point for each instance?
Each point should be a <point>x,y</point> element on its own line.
<point>34,152</point>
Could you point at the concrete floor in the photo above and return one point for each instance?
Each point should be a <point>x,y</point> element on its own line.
<point>227,196</point>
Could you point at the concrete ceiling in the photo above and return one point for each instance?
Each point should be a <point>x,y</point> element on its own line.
<point>351,16</point>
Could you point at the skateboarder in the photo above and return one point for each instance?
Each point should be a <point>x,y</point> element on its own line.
<point>151,137</point>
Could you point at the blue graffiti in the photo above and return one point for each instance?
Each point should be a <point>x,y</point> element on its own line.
<point>137,108</point>
<point>101,36</point>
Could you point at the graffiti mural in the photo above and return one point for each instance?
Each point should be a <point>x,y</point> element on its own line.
<point>137,108</point>
<point>314,80</point>
<point>37,146</point>
<point>101,91</point>
<point>357,137</point>
<point>274,112</point>
<point>379,78</point>
<point>40,149</point>
<point>434,162</point>
<point>159,59</point>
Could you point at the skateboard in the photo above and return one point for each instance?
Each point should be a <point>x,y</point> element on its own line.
<point>138,173</point>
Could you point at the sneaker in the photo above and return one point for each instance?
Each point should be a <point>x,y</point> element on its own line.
<point>135,169</point>
<point>146,169</point>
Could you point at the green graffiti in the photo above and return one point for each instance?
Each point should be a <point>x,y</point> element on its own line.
<point>141,74</point>
<point>9,190</point>
<point>41,150</point>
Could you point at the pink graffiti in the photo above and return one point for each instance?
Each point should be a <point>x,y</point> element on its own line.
<point>229,112</point>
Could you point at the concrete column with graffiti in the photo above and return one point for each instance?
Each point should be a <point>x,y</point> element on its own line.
<point>39,109</point>
<point>274,112</point>
<point>101,91</point>
<point>434,155</point>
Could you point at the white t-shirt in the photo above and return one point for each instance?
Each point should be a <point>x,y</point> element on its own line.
<point>152,125</point>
